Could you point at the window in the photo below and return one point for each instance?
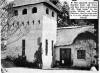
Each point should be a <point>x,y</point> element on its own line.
<point>23,47</point>
<point>23,23</point>
<point>46,47</point>
<point>39,21</point>
<point>15,12</point>
<point>52,14</point>
<point>24,11</point>
<point>33,21</point>
<point>34,10</point>
<point>28,22</point>
<point>52,47</point>
<point>80,54</point>
<point>13,24</point>
<point>47,11</point>
<point>18,24</point>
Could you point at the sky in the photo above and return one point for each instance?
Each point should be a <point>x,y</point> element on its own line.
<point>60,0</point>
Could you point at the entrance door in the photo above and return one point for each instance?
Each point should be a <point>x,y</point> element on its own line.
<point>65,56</point>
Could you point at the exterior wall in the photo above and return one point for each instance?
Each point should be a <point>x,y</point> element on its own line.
<point>87,45</point>
<point>31,33</point>
<point>48,33</point>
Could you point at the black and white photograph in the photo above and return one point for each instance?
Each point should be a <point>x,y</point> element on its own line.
<point>55,36</point>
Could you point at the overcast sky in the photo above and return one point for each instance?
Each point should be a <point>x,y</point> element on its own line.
<point>60,0</point>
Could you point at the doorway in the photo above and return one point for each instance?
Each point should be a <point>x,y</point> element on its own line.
<point>65,56</point>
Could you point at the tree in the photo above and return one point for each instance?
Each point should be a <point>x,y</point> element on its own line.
<point>63,16</point>
<point>6,16</point>
<point>6,11</point>
<point>54,1</point>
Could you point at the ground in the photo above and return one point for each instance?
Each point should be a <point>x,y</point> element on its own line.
<point>9,67</point>
<point>30,70</point>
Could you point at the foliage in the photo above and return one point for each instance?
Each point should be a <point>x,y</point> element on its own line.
<point>6,10</point>
<point>38,56</point>
<point>54,1</point>
<point>63,16</point>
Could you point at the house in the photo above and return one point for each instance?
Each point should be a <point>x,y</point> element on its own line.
<point>37,22</point>
<point>75,46</point>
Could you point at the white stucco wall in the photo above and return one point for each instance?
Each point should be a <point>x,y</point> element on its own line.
<point>31,37</point>
<point>49,33</point>
<point>45,30</point>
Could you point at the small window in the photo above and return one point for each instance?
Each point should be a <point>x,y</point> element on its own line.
<point>52,14</point>
<point>15,12</point>
<point>23,23</point>
<point>39,21</point>
<point>24,11</point>
<point>47,11</point>
<point>28,22</point>
<point>80,54</point>
<point>18,24</point>
<point>34,10</point>
<point>33,21</point>
<point>13,24</point>
<point>46,47</point>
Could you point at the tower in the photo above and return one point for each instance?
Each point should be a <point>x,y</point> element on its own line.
<point>38,19</point>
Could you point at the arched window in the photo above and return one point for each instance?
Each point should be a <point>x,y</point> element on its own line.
<point>24,11</point>
<point>34,10</point>
<point>47,11</point>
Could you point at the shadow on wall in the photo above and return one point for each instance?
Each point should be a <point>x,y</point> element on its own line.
<point>18,62</point>
<point>21,61</point>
